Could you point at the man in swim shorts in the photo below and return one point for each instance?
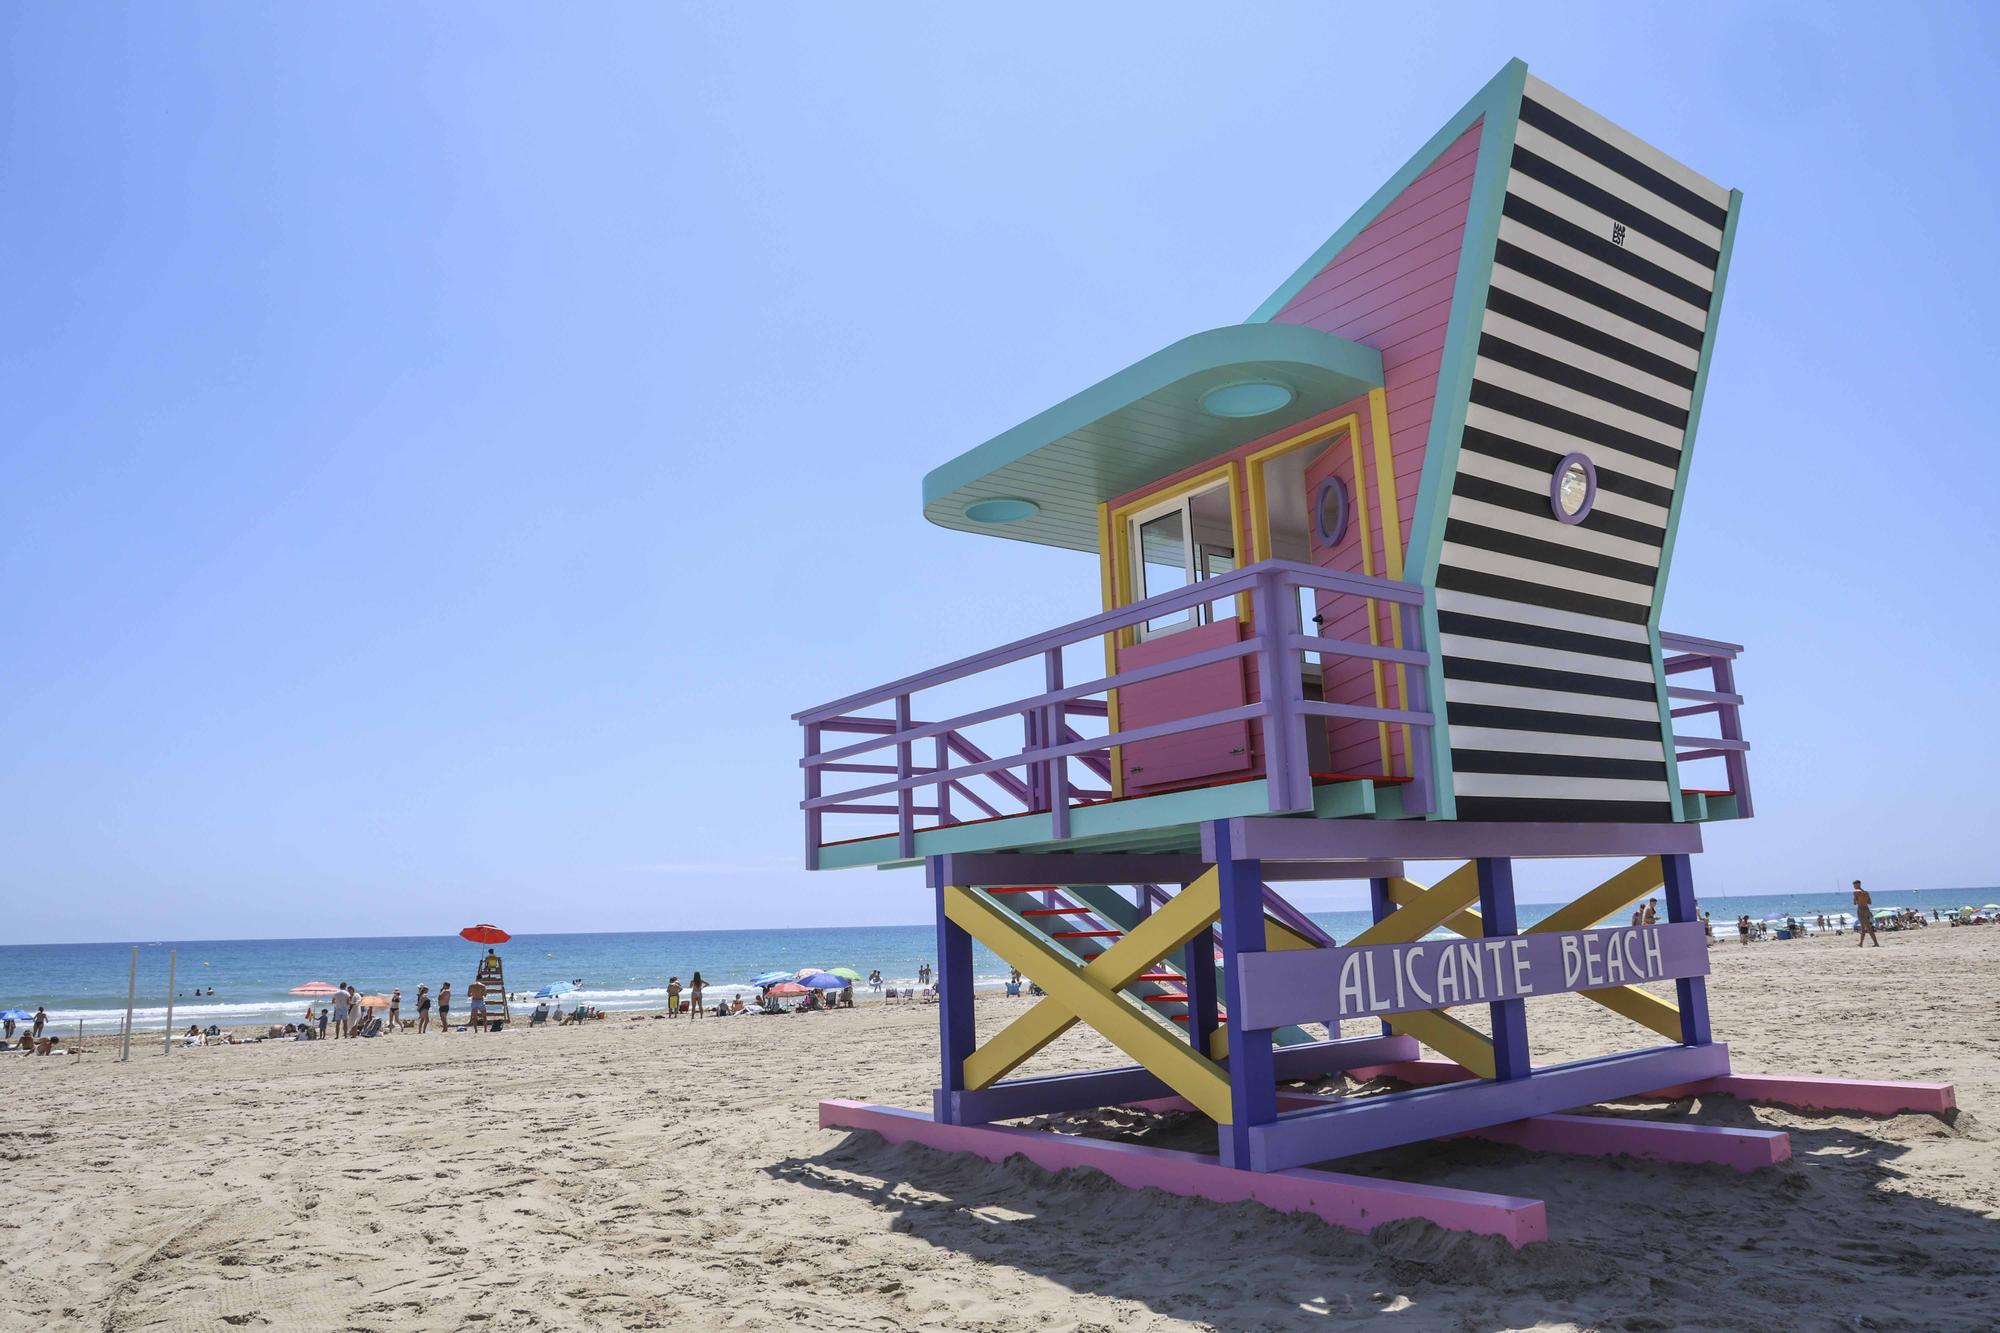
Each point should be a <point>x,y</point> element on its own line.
<point>1864,915</point>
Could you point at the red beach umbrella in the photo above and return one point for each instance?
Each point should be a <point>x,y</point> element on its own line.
<point>315,988</point>
<point>485,934</point>
<point>788,988</point>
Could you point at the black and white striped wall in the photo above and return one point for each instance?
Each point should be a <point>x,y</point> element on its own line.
<point>1600,297</point>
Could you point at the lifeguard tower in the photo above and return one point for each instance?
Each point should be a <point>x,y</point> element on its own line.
<point>1381,570</point>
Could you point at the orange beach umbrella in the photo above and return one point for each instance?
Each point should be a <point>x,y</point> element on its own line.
<point>485,934</point>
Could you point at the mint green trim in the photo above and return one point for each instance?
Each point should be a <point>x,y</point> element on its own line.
<point>1694,411</point>
<point>1166,822</point>
<point>1674,512</point>
<point>1500,104</point>
<point>1143,423</point>
<point>1483,102</point>
<point>1674,797</point>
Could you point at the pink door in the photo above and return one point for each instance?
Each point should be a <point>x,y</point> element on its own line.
<point>1336,529</point>
<point>1189,756</point>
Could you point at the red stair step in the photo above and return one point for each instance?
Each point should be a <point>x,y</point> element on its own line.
<point>1164,999</point>
<point>1052,911</point>
<point>1086,934</point>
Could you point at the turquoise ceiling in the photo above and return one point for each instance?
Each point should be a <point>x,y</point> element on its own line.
<point>1144,423</point>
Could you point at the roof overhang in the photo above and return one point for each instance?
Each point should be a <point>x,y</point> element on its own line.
<point>1200,397</point>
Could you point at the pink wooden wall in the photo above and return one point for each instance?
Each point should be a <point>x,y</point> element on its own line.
<point>1390,288</point>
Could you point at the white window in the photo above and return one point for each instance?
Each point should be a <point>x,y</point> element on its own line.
<point>1177,543</point>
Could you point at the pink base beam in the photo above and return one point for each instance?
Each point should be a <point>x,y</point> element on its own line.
<point>1803,1092</point>
<point>1868,1096</point>
<point>1354,1203</point>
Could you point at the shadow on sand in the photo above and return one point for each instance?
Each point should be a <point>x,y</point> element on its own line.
<point>1838,1237</point>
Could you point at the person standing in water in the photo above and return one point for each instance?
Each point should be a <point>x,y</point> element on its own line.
<point>1864,917</point>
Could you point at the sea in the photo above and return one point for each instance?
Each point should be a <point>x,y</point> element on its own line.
<point>246,982</point>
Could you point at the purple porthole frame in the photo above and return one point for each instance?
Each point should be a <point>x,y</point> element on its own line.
<point>1589,488</point>
<point>1333,488</point>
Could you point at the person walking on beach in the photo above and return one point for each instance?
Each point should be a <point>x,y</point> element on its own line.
<point>478,993</point>
<point>1864,917</point>
<point>340,1011</point>
<point>444,1007</point>
<point>1743,929</point>
<point>924,975</point>
<point>395,1008</point>
<point>695,983</point>
<point>423,1009</point>
<point>875,979</point>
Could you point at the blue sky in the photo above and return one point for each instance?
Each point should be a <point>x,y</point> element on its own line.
<point>443,446</point>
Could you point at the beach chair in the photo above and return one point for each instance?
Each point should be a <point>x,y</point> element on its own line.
<point>539,1016</point>
<point>1013,988</point>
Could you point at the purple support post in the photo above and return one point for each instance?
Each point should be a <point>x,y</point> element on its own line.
<point>956,1036</point>
<point>1421,794</point>
<point>1287,769</point>
<point>815,822</point>
<point>1692,992</point>
<point>1253,1096</point>
<point>1380,906</point>
<point>906,797</point>
<point>1198,962</point>
<point>1510,1017</point>
<point>944,788</point>
<point>1731,719</point>
<point>1055,772</point>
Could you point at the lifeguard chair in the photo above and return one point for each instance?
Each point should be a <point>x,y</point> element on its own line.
<point>1381,573</point>
<point>492,977</point>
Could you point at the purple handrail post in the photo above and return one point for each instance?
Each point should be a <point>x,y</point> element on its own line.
<point>814,820</point>
<point>906,815</point>
<point>1423,795</point>
<point>1031,740</point>
<point>1287,770</point>
<point>943,762</point>
<point>1731,718</point>
<point>1055,772</point>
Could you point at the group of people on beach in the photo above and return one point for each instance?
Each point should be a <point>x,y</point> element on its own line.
<point>32,1039</point>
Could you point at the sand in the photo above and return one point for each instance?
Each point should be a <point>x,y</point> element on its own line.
<point>670,1175</point>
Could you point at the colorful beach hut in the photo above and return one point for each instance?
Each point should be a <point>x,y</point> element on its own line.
<point>1382,571</point>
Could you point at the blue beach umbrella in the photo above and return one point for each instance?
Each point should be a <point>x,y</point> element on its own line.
<point>553,989</point>
<point>18,1015</point>
<point>770,978</point>
<point>825,981</point>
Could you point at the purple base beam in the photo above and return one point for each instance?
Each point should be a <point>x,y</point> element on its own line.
<point>1115,1087</point>
<point>1353,1203</point>
<point>1594,1136</point>
<point>1801,1092</point>
<point>1652,1140</point>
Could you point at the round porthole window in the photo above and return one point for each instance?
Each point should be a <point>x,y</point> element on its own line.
<point>1573,489</point>
<point>1330,511</point>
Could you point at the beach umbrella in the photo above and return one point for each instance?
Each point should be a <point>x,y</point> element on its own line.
<point>485,934</point>
<point>770,978</point>
<point>18,1015</point>
<point>823,981</point>
<point>788,988</point>
<point>805,972</point>
<point>1991,907</point>
<point>316,988</point>
<point>847,972</point>
<point>374,1001</point>
<point>554,988</point>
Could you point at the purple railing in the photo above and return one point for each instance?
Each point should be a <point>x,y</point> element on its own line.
<point>1683,653</point>
<point>1048,743</point>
